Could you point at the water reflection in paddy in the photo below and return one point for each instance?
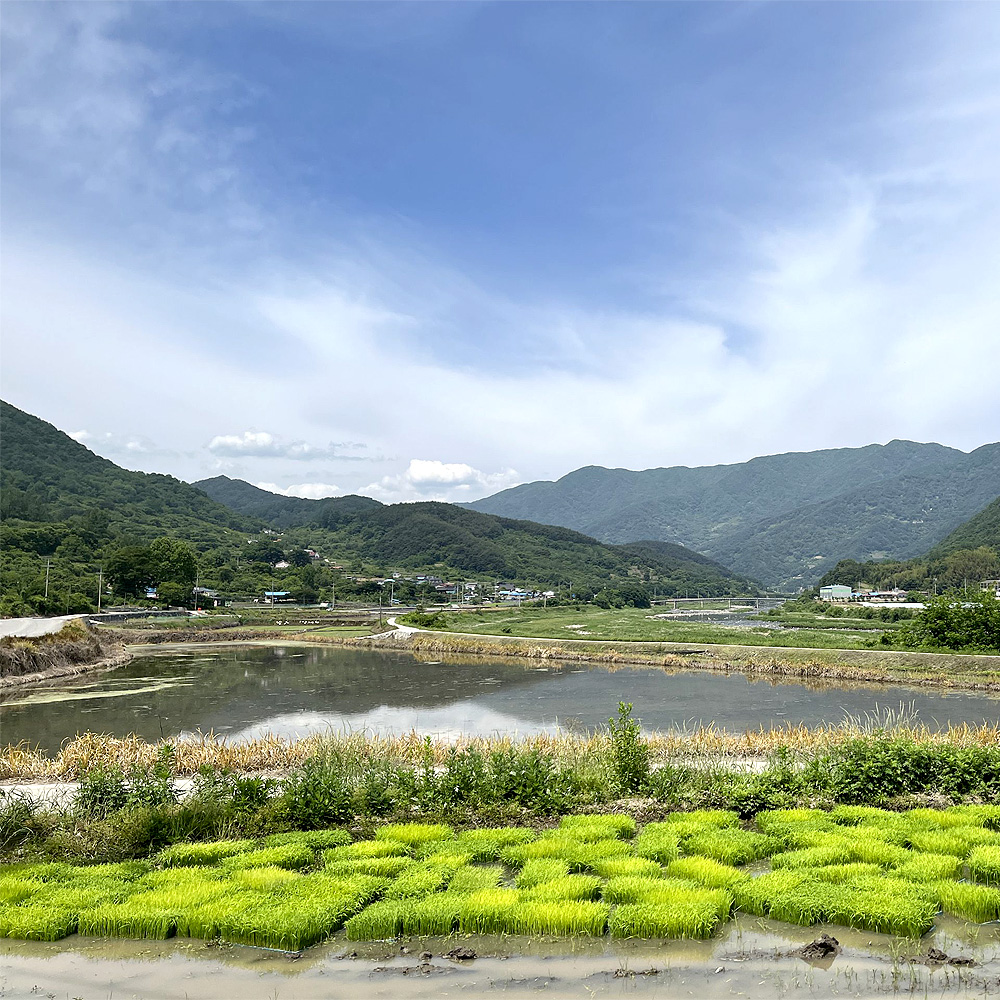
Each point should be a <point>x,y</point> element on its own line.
<point>244,691</point>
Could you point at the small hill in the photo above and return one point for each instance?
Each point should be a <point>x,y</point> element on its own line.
<point>47,477</point>
<point>455,540</point>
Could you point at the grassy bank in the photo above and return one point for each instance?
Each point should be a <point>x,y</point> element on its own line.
<point>127,806</point>
<point>948,670</point>
<point>73,649</point>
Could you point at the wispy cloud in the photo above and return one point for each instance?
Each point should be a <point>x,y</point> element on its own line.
<point>261,444</point>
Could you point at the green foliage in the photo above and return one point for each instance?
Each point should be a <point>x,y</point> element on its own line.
<point>629,754</point>
<point>959,621</point>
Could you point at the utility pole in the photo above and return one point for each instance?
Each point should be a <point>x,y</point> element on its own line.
<point>48,562</point>
<point>100,587</point>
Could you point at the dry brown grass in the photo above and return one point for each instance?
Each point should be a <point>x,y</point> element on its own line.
<point>273,754</point>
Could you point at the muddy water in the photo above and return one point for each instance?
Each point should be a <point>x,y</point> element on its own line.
<point>752,958</point>
<point>246,691</point>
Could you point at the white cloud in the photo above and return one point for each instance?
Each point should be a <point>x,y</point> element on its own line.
<point>261,444</point>
<point>429,479</point>
<point>306,491</point>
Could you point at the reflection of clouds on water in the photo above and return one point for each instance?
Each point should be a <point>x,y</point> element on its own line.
<point>460,719</point>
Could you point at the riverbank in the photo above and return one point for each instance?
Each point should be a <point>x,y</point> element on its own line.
<point>943,670</point>
<point>67,651</point>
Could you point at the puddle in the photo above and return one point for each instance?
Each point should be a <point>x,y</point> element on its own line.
<point>752,958</point>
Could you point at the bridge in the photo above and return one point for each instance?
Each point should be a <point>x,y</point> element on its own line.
<point>718,603</point>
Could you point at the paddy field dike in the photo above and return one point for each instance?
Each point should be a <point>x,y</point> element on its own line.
<point>592,874</point>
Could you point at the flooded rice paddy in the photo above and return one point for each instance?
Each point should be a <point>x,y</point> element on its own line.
<point>243,692</point>
<point>752,957</point>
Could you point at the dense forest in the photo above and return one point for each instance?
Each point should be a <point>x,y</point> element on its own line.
<point>73,521</point>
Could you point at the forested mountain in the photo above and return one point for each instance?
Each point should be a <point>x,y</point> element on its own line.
<point>784,519</point>
<point>73,521</point>
<point>971,553</point>
<point>456,540</point>
<point>47,477</point>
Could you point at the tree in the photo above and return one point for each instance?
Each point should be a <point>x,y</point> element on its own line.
<point>130,569</point>
<point>173,594</point>
<point>958,621</point>
<point>174,561</point>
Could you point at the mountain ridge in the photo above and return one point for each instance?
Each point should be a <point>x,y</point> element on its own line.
<point>765,517</point>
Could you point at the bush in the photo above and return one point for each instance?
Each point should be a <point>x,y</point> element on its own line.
<point>629,752</point>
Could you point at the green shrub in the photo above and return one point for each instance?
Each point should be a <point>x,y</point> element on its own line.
<point>629,753</point>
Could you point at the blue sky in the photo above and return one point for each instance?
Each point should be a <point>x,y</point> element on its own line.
<point>431,250</point>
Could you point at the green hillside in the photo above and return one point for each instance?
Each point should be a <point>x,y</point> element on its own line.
<point>65,507</point>
<point>784,519</point>
<point>454,540</point>
<point>971,553</point>
<point>983,529</point>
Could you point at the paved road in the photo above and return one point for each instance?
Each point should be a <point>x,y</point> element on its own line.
<point>32,628</point>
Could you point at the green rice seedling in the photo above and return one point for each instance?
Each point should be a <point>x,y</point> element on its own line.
<point>584,856</point>
<point>809,903</point>
<point>941,841</point>
<point>419,881</point>
<point>700,818</point>
<point>288,924</point>
<point>852,874</point>
<point>120,871</point>
<point>36,922</point>
<point>567,887</point>
<point>74,898</point>
<point>660,844</point>
<point>380,921</point>
<point>988,816</point>
<point>978,903</point>
<point>984,864</point>
<point>316,840</point>
<point>135,918</point>
<point>563,918</point>
<point>206,920</point>
<point>415,834</point>
<point>755,895</point>
<point>707,872</point>
<point>379,867</point>
<point>265,879</point>
<point>855,815</point>
<point>472,878</point>
<point>837,853</point>
<point>287,856</point>
<point>435,914</point>
<point>873,851</point>
<point>447,863</point>
<point>359,889</point>
<point>366,849</point>
<point>616,867</point>
<point>778,822</point>
<point>598,826</point>
<point>48,871</point>
<point>490,911</point>
<point>693,918</point>
<point>732,845</point>
<point>210,853</point>
<point>539,870</point>
<point>632,889</point>
<point>486,844</point>
<point>17,890</point>
<point>799,836</point>
<point>549,846</point>
<point>934,819</point>
<point>887,906</point>
<point>920,867</point>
